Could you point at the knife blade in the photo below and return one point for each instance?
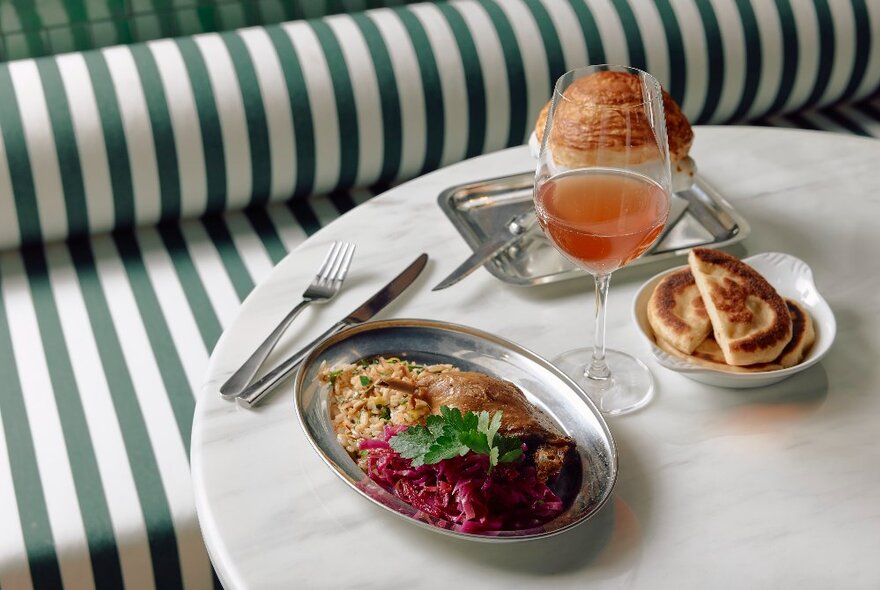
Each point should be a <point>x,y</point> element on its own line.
<point>254,393</point>
<point>513,231</point>
<point>704,215</point>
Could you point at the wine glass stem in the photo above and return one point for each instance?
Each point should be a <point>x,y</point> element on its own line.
<point>598,368</point>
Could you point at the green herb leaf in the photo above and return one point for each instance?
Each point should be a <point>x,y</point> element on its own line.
<point>365,381</point>
<point>334,375</point>
<point>452,434</point>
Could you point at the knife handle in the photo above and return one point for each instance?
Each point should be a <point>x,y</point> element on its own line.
<point>254,393</point>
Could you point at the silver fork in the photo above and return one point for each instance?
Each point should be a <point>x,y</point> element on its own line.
<point>324,287</point>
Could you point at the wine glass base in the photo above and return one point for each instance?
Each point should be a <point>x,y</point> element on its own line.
<point>629,387</point>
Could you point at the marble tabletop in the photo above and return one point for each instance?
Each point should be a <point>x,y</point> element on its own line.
<point>776,487</point>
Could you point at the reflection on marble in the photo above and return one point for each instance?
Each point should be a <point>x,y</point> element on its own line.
<point>770,488</point>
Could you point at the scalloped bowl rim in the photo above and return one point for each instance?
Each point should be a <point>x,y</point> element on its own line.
<point>804,293</point>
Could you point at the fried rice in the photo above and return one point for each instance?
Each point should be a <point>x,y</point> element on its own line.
<point>361,405</point>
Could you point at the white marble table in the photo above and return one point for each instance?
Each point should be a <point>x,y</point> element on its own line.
<point>770,488</point>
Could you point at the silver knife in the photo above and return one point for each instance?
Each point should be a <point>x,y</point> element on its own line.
<point>255,392</point>
<point>704,215</point>
<point>513,231</point>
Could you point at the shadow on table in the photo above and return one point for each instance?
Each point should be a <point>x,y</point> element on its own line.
<point>767,408</point>
<point>609,537</point>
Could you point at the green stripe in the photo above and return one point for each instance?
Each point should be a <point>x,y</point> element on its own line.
<point>19,162</point>
<point>592,37</point>
<point>145,470</point>
<point>65,146</point>
<point>388,92</point>
<point>301,111</point>
<point>346,110</point>
<point>114,139</point>
<point>802,122</point>
<point>516,76</point>
<point>845,122</point>
<point>232,262</point>
<point>826,51</point>
<point>80,451</point>
<point>258,131</point>
<point>634,45</point>
<point>163,131</point>
<point>342,201</point>
<point>29,494</point>
<point>715,65</point>
<point>473,74</point>
<point>177,387</point>
<point>31,26</point>
<point>552,47</point>
<point>790,55</point>
<point>753,58</point>
<point>78,18</point>
<point>209,123</point>
<point>862,21</point>
<point>208,18</point>
<point>432,90</point>
<point>196,294</point>
<point>675,48</point>
<point>265,229</point>
<point>304,215</point>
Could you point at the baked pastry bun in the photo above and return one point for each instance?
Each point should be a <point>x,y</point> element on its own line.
<point>803,335</point>
<point>676,312</point>
<point>751,322</point>
<point>576,141</point>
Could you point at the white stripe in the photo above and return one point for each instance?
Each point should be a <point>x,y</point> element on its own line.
<point>138,133</point>
<point>117,480</point>
<point>289,230</point>
<point>322,101</point>
<point>494,74</point>
<point>611,31</point>
<point>365,88</point>
<point>872,72</point>
<point>770,33</point>
<point>184,117</point>
<point>534,60</point>
<point>90,144</point>
<point>807,27</point>
<point>409,90</point>
<point>276,105</point>
<point>65,520</point>
<point>654,41</point>
<point>250,247</point>
<point>15,572</point>
<point>40,141</point>
<point>175,307</point>
<point>452,81</point>
<point>9,233</point>
<point>844,22</point>
<point>168,448</point>
<point>571,36</point>
<point>211,272</point>
<point>230,111</point>
<point>733,42</point>
<point>696,55</point>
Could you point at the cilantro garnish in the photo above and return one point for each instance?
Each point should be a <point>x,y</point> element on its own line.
<point>334,375</point>
<point>452,434</point>
<point>365,381</point>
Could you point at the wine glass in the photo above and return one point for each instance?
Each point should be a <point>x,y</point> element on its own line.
<point>602,190</point>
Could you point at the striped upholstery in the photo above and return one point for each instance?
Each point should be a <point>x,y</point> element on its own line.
<point>175,128</point>
<point>33,28</point>
<point>143,158</point>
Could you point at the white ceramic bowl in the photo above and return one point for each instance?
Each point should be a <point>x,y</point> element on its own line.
<point>793,279</point>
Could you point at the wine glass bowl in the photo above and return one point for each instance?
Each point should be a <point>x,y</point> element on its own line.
<point>602,195</point>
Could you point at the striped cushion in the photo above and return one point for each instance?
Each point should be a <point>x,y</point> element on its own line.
<point>103,343</point>
<point>133,135</point>
<point>46,27</point>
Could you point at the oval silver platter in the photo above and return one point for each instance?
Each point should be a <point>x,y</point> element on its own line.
<point>584,485</point>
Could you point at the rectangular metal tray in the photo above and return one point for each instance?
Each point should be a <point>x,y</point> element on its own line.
<point>479,210</point>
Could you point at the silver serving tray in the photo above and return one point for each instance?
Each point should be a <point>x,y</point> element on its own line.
<point>584,487</point>
<point>481,209</point>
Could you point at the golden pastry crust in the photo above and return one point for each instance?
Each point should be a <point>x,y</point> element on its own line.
<point>576,141</point>
<point>676,312</point>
